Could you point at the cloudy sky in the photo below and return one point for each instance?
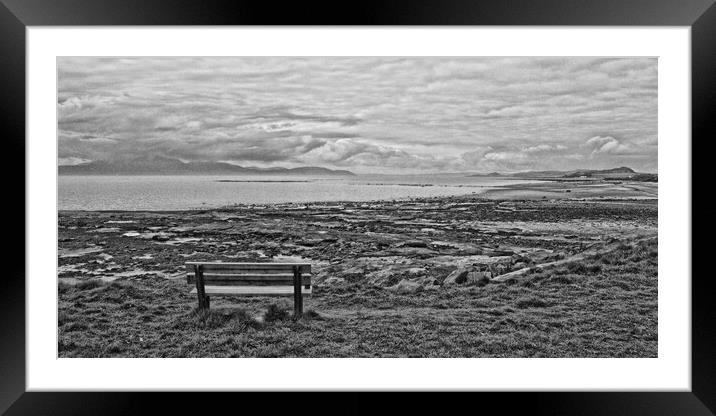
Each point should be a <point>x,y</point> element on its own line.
<point>369,115</point>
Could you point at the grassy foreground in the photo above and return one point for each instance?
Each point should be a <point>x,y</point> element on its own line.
<point>603,307</point>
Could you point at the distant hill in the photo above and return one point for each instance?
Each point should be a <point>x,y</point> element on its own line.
<point>488,175</point>
<point>168,166</point>
<point>587,173</point>
<point>539,174</point>
<point>620,173</point>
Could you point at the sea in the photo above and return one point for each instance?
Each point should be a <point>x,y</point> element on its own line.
<point>170,193</point>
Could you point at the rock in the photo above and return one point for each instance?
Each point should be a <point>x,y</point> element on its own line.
<point>415,271</point>
<point>519,257</point>
<point>413,252</point>
<point>500,252</point>
<point>441,245</point>
<point>179,229</point>
<point>209,227</point>
<point>470,251</point>
<point>500,268</point>
<point>431,284</point>
<point>415,243</point>
<point>544,257</point>
<point>63,253</point>
<point>458,276</point>
<point>406,286</point>
<point>310,242</point>
<point>478,278</point>
<point>161,237</point>
<point>105,230</point>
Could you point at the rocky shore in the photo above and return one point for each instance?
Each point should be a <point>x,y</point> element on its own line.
<point>409,245</point>
<point>493,275</point>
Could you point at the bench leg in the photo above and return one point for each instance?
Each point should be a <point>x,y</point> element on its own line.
<point>297,295</point>
<point>200,293</point>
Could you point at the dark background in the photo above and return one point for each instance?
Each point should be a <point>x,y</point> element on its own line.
<point>15,15</point>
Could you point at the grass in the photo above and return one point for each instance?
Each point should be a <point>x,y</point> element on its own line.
<point>275,313</point>
<point>604,307</point>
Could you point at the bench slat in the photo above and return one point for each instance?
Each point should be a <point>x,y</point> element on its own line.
<point>248,279</point>
<point>190,270</point>
<point>253,290</point>
<point>276,267</point>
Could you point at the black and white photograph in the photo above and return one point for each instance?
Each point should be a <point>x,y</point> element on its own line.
<point>338,206</point>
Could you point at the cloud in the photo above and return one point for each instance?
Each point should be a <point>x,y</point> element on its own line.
<point>608,145</point>
<point>541,148</point>
<point>352,152</point>
<point>392,114</point>
<point>521,157</point>
<point>283,114</point>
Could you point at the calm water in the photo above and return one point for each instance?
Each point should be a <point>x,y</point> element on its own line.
<point>196,192</point>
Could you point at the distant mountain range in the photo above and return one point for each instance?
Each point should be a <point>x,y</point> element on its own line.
<point>615,173</point>
<point>168,166</point>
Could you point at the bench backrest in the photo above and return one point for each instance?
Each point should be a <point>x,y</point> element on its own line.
<point>249,274</point>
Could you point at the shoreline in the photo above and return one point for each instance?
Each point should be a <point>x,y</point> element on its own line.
<point>527,191</point>
<point>439,269</point>
<point>509,220</point>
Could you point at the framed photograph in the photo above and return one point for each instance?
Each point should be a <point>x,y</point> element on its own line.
<point>407,197</point>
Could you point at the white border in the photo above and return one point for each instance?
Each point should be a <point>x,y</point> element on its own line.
<point>671,371</point>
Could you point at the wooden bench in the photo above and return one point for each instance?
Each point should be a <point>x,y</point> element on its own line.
<point>250,279</point>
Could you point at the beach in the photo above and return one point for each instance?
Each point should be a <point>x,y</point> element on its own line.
<point>414,277</point>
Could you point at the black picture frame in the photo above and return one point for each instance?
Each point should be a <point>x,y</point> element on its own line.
<point>16,15</point>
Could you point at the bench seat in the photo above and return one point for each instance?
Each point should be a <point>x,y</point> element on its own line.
<point>253,290</point>
<point>250,279</point>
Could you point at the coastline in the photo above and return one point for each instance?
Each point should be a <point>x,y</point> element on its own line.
<point>534,189</point>
<point>377,265</point>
